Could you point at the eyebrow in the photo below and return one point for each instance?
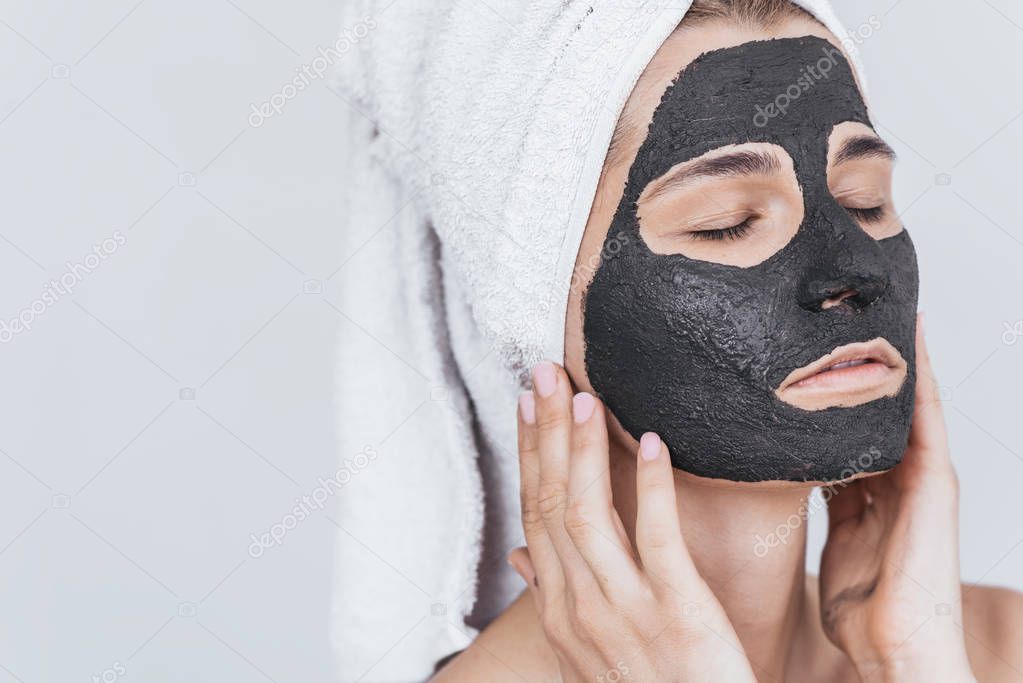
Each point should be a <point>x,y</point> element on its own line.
<point>864,147</point>
<point>735,164</point>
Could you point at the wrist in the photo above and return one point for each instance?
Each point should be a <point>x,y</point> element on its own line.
<point>933,651</point>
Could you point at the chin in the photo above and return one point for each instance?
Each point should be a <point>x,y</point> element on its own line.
<point>780,485</point>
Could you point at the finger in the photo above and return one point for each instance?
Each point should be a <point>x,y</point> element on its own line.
<point>522,564</point>
<point>926,467</point>
<point>547,564</point>
<point>658,534</point>
<point>845,502</point>
<point>928,420</point>
<point>590,516</point>
<point>553,395</point>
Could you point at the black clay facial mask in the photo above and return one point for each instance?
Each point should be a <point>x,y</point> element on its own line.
<point>698,351</point>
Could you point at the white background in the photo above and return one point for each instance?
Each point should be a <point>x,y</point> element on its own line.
<point>180,399</point>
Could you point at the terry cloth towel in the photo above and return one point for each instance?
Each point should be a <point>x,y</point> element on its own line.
<point>478,131</point>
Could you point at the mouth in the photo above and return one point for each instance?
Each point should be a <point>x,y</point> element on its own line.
<point>851,375</point>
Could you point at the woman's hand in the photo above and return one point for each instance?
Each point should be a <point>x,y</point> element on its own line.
<point>610,613</point>
<point>889,582</point>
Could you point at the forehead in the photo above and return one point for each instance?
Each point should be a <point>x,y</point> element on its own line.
<point>789,91</point>
<point>722,90</point>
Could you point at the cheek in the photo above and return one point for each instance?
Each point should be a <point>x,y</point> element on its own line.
<point>657,318</point>
<point>722,316</point>
<point>595,247</point>
<point>575,344</point>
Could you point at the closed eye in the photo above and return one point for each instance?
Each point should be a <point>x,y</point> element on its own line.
<point>733,232</point>
<point>872,215</point>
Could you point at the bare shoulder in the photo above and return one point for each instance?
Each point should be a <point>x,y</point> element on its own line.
<point>993,626</point>
<point>511,649</point>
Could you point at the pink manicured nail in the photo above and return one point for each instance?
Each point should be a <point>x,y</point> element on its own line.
<point>527,407</point>
<point>545,381</point>
<point>582,407</point>
<point>650,446</point>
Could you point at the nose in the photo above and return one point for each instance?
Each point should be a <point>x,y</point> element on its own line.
<point>849,274</point>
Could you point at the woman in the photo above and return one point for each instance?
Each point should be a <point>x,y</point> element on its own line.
<point>743,300</point>
<point>636,569</point>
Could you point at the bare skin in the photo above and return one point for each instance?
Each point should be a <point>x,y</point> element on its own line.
<point>889,605</point>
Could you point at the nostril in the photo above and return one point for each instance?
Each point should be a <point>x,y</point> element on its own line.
<point>848,294</point>
<point>839,299</point>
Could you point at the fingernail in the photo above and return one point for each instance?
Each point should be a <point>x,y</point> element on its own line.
<point>920,321</point>
<point>523,571</point>
<point>544,379</point>
<point>650,446</point>
<point>527,407</point>
<point>582,407</point>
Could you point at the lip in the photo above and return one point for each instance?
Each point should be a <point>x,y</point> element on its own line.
<point>867,371</point>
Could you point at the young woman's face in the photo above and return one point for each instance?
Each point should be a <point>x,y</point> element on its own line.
<point>751,294</point>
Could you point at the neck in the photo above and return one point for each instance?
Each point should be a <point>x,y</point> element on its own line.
<point>750,549</point>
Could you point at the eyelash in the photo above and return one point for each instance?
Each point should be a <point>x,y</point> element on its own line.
<point>871,215</point>
<point>734,232</point>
